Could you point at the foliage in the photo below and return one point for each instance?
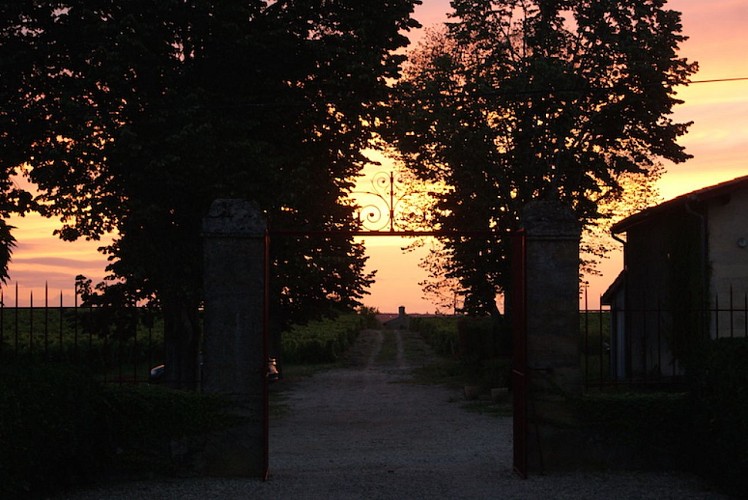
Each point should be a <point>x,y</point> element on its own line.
<point>133,117</point>
<point>517,101</point>
<point>637,192</point>
<point>112,314</point>
<point>80,336</point>
<point>322,341</point>
<point>7,240</point>
<point>51,429</point>
<point>653,427</point>
<point>485,351</point>
<point>479,346</point>
<point>448,372</point>
<point>59,428</point>
<point>483,338</point>
<point>719,408</point>
<point>704,430</point>
<point>495,372</point>
<point>439,332</point>
<point>595,345</point>
<point>439,289</point>
<point>595,329</point>
<point>143,420</point>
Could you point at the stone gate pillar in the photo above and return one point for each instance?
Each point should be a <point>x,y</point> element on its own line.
<point>552,298</point>
<point>233,350</point>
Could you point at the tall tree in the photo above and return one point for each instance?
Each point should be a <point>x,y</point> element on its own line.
<point>133,117</point>
<point>525,99</point>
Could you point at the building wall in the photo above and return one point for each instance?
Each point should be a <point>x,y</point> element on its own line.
<point>728,258</point>
<point>664,295</point>
<point>646,262</point>
<point>686,271</point>
<point>618,340</point>
<point>647,289</point>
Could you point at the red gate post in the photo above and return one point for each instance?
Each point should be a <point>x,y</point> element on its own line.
<point>519,354</point>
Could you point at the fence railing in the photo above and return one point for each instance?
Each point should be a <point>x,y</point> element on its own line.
<point>619,346</point>
<point>643,346</point>
<point>729,316</point>
<point>115,344</point>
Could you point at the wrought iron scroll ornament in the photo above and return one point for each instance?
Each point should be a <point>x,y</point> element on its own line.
<point>378,206</point>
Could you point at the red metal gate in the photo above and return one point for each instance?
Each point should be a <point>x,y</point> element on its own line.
<point>519,354</point>
<point>266,358</point>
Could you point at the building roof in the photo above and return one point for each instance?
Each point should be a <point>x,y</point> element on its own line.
<point>700,195</point>
<point>608,297</point>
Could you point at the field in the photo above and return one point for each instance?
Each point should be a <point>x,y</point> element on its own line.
<point>594,327</point>
<point>123,345</point>
<point>120,345</point>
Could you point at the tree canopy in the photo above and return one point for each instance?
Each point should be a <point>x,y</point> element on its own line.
<point>132,117</point>
<point>523,99</point>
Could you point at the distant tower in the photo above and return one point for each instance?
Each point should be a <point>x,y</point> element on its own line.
<point>399,323</point>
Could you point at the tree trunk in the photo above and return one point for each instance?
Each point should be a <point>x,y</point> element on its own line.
<point>181,343</point>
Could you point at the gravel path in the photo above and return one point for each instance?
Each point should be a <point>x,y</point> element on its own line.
<point>365,431</point>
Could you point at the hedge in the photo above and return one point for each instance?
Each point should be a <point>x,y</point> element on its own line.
<point>60,428</point>
<point>719,407</point>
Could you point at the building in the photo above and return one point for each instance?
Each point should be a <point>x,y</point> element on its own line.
<point>399,322</point>
<point>685,276</point>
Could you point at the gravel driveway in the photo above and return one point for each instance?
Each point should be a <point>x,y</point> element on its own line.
<point>365,431</point>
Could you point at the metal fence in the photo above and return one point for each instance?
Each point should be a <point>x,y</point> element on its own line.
<point>642,346</point>
<point>118,345</point>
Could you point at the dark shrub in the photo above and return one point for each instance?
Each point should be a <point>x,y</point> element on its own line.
<point>480,344</point>
<point>439,332</point>
<point>483,338</point>
<point>641,430</point>
<point>720,413</point>
<point>53,430</point>
<point>322,341</point>
<point>496,372</point>
<point>59,428</point>
<point>144,420</point>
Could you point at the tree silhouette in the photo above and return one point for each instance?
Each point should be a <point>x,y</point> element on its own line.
<point>525,99</point>
<point>133,117</point>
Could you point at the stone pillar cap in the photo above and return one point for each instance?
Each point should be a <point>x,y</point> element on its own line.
<point>234,217</point>
<point>549,217</point>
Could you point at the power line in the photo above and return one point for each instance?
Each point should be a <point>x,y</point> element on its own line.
<point>719,80</point>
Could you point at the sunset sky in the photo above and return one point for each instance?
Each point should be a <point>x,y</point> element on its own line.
<point>718,32</point>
